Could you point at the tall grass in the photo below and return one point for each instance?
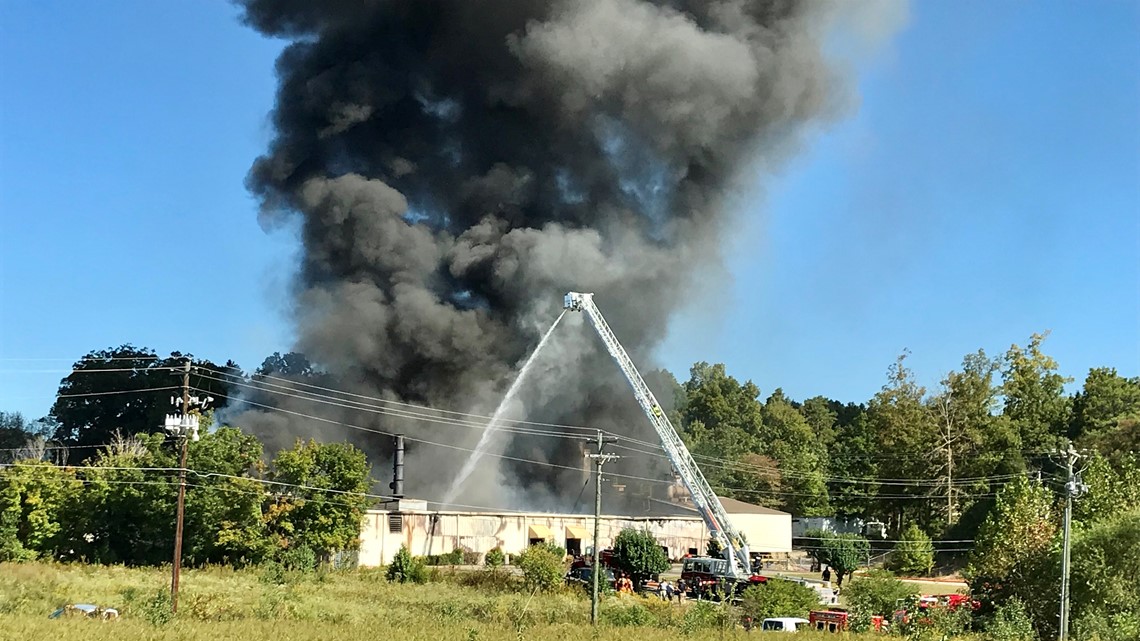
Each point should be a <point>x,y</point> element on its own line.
<point>246,605</point>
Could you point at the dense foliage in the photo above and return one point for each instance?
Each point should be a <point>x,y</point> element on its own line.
<point>118,507</point>
<point>778,598</point>
<point>914,553</point>
<point>542,566</point>
<point>878,593</point>
<point>638,554</point>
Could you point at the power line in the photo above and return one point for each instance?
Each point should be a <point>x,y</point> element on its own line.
<point>347,404</point>
<point>403,404</point>
<point>361,406</point>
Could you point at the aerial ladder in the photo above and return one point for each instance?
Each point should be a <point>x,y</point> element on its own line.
<point>733,545</point>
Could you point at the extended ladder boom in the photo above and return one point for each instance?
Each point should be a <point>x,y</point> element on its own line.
<point>704,499</point>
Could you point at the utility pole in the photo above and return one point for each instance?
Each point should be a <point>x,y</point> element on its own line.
<point>599,460</point>
<point>184,428</point>
<point>1073,488</point>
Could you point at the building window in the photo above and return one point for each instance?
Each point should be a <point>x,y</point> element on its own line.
<point>395,523</point>
<point>574,547</point>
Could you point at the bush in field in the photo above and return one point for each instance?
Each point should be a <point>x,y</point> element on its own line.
<point>454,557</point>
<point>638,554</point>
<point>1010,622</point>
<point>877,593</point>
<point>914,554</point>
<point>706,615</point>
<point>406,569</point>
<point>298,559</point>
<point>542,567</point>
<point>491,578</point>
<point>778,598</point>
<point>495,558</point>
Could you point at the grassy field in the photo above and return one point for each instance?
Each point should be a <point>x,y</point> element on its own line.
<point>220,603</point>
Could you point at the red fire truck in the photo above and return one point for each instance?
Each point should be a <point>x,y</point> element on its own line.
<point>708,577</point>
<point>837,620</point>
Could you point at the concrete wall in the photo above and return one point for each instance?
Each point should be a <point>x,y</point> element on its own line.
<point>440,532</point>
<point>765,532</point>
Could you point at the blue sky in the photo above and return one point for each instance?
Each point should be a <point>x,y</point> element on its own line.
<point>986,187</point>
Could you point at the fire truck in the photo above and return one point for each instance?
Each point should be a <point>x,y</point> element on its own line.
<point>736,566</point>
<point>708,578</point>
<point>906,609</point>
<point>837,620</point>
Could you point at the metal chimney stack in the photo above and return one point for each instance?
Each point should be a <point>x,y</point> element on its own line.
<point>397,483</point>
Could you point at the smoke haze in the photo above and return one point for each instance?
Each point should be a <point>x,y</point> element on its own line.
<point>456,166</point>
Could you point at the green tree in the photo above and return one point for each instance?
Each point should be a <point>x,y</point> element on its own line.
<point>125,511</point>
<point>1105,604</point>
<point>1034,392</point>
<point>542,567</point>
<point>1112,489</point>
<point>856,456</point>
<point>823,418</point>
<point>224,510</point>
<point>1011,552</point>
<point>778,598</point>
<point>787,437</point>
<point>720,419</point>
<point>720,402</point>
<point>1107,408</point>
<point>289,365</point>
<point>321,499</point>
<point>126,390</point>
<point>845,553</point>
<point>638,554</point>
<point>903,425</point>
<point>972,441</point>
<point>32,496</point>
<point>914,553</point>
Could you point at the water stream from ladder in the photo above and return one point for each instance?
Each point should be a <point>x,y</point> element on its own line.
<point>496,419</point>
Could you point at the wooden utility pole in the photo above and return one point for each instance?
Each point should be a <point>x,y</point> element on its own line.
<point>184,437</point>
<point>599,459</point>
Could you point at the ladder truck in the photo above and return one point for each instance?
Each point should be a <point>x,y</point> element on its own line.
<point>734,547</point>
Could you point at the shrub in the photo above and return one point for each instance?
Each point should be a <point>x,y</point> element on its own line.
<point>706,615</point>
<point>406,569</point>
<point>637,553</point>
<point>454,557</point>
<point>778,598</point>
<point>627,614</point>
<point>156,610</point>
<point>495,558</point>
<point>471,558</point>
<point>488,579</point>
<point>914,553</point>
<point>542,567</point>
<point>298,559</point>
<point>1010,622</point>
<point>877,593</point>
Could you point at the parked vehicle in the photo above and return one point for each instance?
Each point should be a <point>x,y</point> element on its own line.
<point>837,620</point>
<point>906,608</point>
<point>784,624</point>
<point>584,576</point>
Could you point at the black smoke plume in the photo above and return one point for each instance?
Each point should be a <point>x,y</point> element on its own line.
<point>456,166</point>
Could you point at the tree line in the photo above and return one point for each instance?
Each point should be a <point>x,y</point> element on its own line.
<point>910,456</point>
<point>117,506</point>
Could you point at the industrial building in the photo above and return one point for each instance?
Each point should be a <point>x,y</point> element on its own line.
<point>427,531</point>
